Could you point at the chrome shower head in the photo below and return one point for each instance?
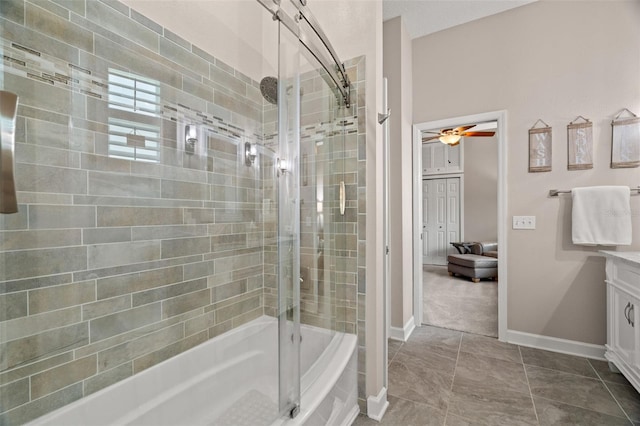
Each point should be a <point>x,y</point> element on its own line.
<point>269,89</point>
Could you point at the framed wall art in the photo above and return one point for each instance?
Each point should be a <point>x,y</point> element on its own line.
<point>540,148</point>
<point>625,141</point>
<point>580,144</point>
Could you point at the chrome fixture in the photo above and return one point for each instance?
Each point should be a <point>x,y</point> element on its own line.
<point>281,166</point>
<point>313,41</point>
<point>250,153</point>
<point>383,117</point>
<point>190,138</point>
<point>269,89</point>
<point>8,109</point>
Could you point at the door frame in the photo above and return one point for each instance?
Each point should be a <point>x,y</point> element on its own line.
<point>501,118</point>
<point>459,176</point>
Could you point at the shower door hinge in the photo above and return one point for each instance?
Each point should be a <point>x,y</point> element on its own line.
<point>295,410</point>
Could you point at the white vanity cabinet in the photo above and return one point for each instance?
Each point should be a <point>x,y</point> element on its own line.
<point>623,313</point>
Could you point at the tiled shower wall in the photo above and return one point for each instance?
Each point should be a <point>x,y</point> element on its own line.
<point>113,265</point>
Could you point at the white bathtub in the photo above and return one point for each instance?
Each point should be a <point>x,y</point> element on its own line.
<point>229,380</point>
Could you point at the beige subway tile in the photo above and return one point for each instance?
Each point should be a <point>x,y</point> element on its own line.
<point>107,378</point>
<point>198,270</point>
<point>57,297</point>
<point>115,254</point>
<point>15,221</point>
<point>137,347</point>
<point>138,216</point>
<point>185,247</point>
<point>122,322</point>
<point>168,292</point>
<point>105,164</point>
<point>162,232</point>
<point>20,240</point>
<point>184,190</point>
<point>36,154</point>
<point>106,307</point>
<point>33,324</point>
<point>62,376</point>
<point>123,185</point>
<point>39,407</point>
<point>233,310</point>
<point>32,263</point>
<point>30,369</point>
<point>226,291</point>
<point>55,217</point>
<point>13,305</point>
<point>199,323</point>
<point>219,329</point>
<point>184,303</point>
<point>247,316</point>
<point>14,394</point>
<point>106,235</point>
<point>48,343</point>
<point>39,178</point>
<point>58,28</point>
<point>130,283</point>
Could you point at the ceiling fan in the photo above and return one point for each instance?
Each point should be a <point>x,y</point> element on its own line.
<point>452,136</point>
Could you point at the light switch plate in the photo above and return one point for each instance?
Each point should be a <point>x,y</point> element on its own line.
<point>524,222</point>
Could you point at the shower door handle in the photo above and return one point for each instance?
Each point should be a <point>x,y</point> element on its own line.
<point>8,110</point>
<point>343,198</point>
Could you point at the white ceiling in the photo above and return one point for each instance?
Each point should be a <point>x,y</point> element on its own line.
<point>422,17</point>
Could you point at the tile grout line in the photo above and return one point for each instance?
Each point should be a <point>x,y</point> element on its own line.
<point>446,414</point>
<point>610,393</point>
<point>526,376</point>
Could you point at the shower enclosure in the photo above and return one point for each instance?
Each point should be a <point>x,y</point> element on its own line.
<point>164,195</point>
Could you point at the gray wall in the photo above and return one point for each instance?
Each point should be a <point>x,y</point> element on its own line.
<point>555,61</point>
<point>397,69</point>
<point>481,189</point>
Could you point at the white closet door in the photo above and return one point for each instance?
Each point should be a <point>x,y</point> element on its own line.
<point>441,218</point>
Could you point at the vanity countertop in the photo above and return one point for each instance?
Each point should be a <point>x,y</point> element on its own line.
<point>629,256</point>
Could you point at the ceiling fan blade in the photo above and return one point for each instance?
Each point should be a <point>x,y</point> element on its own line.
<point>443,131</point>
<point>430,139</point>
<point>463,128</point>
<point>478,134</point>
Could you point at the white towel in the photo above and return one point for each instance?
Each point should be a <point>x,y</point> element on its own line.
<point>601,215</point>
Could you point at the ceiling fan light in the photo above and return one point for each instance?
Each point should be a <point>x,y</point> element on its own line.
<point>449,139</point>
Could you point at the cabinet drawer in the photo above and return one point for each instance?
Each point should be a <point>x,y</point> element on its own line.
<point>626,275</point>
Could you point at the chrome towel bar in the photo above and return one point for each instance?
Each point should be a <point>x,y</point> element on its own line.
<point>556,192</point>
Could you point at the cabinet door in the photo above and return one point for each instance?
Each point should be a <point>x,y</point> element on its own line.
<point>427,158</point>
<point>625,320</point>
<point>439,157</point>
<point>453,158</point>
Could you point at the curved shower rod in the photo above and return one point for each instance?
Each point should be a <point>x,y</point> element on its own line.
<point>331,63</point>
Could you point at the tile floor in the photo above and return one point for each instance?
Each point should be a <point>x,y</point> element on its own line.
<point>446,377</point>
<point>459,304</point>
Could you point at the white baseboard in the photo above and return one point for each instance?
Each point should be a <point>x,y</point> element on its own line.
<point>403,333</point>
<point>554,344</point>
<point>377,405</point>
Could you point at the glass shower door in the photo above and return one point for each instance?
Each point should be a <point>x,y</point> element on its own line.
<point>287,183</point>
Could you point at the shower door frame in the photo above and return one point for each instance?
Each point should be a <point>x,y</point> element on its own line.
<point>288,180</point>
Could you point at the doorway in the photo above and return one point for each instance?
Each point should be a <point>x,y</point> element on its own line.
<point>500,217</point>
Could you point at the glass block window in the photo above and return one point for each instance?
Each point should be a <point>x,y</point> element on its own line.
<point>134,117</point>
